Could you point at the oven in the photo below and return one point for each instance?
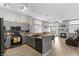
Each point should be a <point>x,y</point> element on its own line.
<point>16,39</point>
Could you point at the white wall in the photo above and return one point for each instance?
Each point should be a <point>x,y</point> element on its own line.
<point>74,22</point>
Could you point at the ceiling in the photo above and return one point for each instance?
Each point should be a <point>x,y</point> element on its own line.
<point>54,11</point>
<point>49,11</point>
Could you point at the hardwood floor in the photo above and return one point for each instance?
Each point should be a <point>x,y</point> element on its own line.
<point>23,50</point>
<point>61,49</point>
<point>58,49</point>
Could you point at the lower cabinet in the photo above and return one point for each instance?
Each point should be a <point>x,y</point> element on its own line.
<point>23,39</point>
<point>42,45</point>
<point>38,45</point>
<point>30,41</point>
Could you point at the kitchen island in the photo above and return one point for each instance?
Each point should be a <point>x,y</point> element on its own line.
<point>42,43</point>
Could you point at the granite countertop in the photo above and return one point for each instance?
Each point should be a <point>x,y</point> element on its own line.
<point>40,36</point>
<point>30,34</point>
<point>48,35</point>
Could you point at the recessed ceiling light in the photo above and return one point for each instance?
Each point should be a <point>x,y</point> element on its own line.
<point>47,15</point>
<point>24,8</point>
<point>3,4</point>
<point>6,4</point>
<point>60,21</point>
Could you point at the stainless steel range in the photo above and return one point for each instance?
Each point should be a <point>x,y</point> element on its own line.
<point>16,38</point>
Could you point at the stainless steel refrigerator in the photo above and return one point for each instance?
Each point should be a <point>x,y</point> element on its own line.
<point>1,37</point>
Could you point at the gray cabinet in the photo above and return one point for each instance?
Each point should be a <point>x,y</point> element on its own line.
<point>41,44</point>
<point>8,42</point>
<point>23,39</point>
<point>46,44</point>
<point>30,41</point>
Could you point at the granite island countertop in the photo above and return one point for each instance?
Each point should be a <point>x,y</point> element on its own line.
<point>40,36</point>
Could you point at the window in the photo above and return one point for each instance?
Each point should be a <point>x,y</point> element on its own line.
<point>49,29</point>
<point>53,24</point>
<point>38,22</point>
<point>73,25</point>
<point>72,28</point>
<point>38,28</point>
<point>54,30</point>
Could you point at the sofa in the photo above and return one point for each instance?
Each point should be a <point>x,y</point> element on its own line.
<point>73,42</point>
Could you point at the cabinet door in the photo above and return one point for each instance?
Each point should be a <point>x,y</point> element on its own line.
<point>30,41</point>
<point>27,39</point>
<point>47,44</point>
<point>38,45</point>
<point>24,39</point>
